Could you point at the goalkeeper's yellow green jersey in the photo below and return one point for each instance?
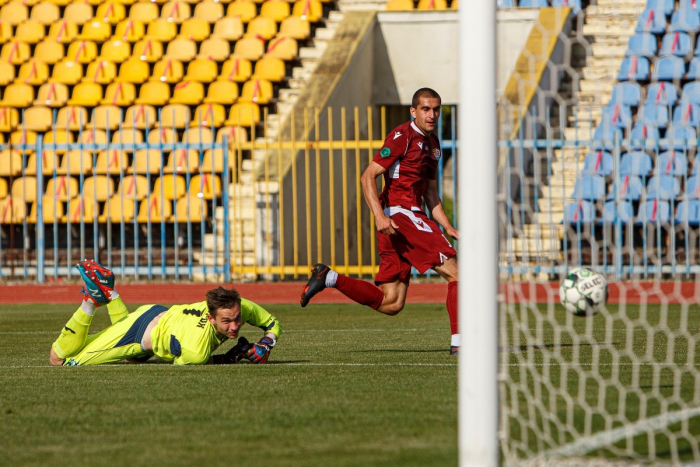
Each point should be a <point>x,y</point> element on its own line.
<point>185,336</point>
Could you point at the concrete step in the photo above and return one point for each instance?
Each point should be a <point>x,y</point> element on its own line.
<point>614,9</point>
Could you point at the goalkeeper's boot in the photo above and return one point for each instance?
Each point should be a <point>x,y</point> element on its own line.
<point>315,284</point>
<point>454,350</point>
<point>99,282</point>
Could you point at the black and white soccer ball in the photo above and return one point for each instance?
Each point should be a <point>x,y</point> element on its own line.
<point>584,292</point>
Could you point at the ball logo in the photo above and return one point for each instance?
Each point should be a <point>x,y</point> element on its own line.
<point>588,285</point>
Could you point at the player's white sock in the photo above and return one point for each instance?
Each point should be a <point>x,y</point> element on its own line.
<point>88,307</point>
<point>455,340</point>
<point>331,277</point>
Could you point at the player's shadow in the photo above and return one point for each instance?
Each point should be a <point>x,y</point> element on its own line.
<point>524,348</point>
<point>399,350</point>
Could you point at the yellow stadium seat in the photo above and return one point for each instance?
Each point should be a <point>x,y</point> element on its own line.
<point>49,51</point>
<point>101,72</point>
<point>87,94</point>
<point>15,52</point>
<point>3,188</point>
<point>134,71</point>
<point>236,68</point>
<point>249,48</point>
<point>22,136</point>
<point>215,48</point>
<point>198,135</point>
<point>62,187</point>
<point>12,211</point>
<point>24,188</point>
<point>98,187</point>
<point>213,160</point>
<point>9,118</point>
<point>244,114</point>
<point>154,209</point>
<point>52,95</point>
<point>81,209</point>
<point>222,92</point>
<point>5,32</point>
<point>262,27</point>
<point>175,116</point>
<point>182,161</point>
<point>172,186</point>
<point>154,93</point>
<point>270,68</point>
<point>297,28</point>
<point>58,136</point>
<point>30,31</point>
<point>51,211</point>
<point>45,13</point>
<point>37,118</point>
<point>111,162</point>
<point>110,12</point>
<point>275,9</point>
<point>120,93</point>
<point>108,116</point>
<point>134,186</point>
<point>162,135</point>
<point>256,90</point>
<point>399,5</point>
<point>144,12</point>
<point>432,5</point>
<point>118,209</point>
<point>146,161</point>
<point>202,70</point>
<point>190,209</point>
<point>14,13</point>
<point>63,32</point>
<point>130,31</point>
<point>209,115</point>
<point>67,72</point>
<point>34,72</point>
<point>95,30</point>
<point>243,9</point>
<point>209,10</point>
<point>311,10</point>
<point>285,48</point>
<point>115,51</point>
<point>140,116</point>
<point>10,162</point>
<point>49,161</point>
<point>7,73</point>
<point>18,95</point>
<point>78,13</point>
<point>181,49</point>
<point>194,29</point>
<point>72,118</point>
<point>82,51</point>
<point>92,136</point>
<point>161,30</point>
<point>148,50</point>
<point>228,28</point>
<point>126,137</point>
<point>168,70</point>
<point>175,11</point>
<point>75,162</point>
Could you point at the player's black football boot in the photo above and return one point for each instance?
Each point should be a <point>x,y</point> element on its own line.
<point>454,350</point>
<point>315,284</point>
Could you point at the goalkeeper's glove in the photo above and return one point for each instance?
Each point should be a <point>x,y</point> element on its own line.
<point>259,352</point>
<point>235,353</point>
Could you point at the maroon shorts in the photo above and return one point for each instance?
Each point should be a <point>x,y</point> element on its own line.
<point>418,242</point>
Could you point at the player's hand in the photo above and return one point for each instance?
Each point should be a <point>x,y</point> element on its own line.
<point>234,355</point>
<point>386,225</point>
<point>259,352</point>
<point>452,232</point>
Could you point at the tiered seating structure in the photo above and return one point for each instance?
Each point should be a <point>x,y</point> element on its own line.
<point>102,75</point>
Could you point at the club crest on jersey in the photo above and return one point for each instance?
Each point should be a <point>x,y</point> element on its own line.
<point>397,134</point>
<point>436,154</point>
<point>385,152</point>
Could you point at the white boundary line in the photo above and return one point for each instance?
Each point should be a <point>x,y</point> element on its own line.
<point>272,364</point>
<point>285,331</point>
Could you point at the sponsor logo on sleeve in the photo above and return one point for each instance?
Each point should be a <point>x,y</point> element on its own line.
<point>397,134</point>
<point>385,152</point>
<point>436,154</point>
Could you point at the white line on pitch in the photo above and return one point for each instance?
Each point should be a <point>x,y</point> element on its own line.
<point>285,331</point>
<point>281,364</point>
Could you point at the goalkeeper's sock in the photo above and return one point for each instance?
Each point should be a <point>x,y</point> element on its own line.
<point>116,309</point>
<point>451,304</point>
<point>73,334</point>
<point>88,307</point>
<point>361,292</point>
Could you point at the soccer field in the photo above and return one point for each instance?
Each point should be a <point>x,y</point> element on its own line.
<point>345,387</point>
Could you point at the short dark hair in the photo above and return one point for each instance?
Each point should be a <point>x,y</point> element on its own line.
<point>424,92</point>
<point>222,298</point>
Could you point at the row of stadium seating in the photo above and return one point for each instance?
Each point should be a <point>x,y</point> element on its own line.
<point>574,4</point>
<point>632,188</point>
<point>652,212</point>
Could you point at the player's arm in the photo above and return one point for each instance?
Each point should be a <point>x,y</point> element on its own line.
<point>369,188</point>
<point>255,315</point>
<point>437,210</point>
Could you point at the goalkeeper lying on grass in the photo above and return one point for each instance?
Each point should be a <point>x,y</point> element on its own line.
<point>182,334</point>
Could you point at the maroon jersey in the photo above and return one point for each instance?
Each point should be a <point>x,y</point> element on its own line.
<point>410,159</point>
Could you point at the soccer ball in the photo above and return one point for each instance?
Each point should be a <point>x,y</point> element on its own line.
<point>583,292</point>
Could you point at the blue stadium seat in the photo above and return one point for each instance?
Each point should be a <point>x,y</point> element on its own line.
<point>691,93</point>
<point>653,115</point>
<point>598,163</point>
<point>693,68</point>
<point>605,136</point>
<point>662,93</point>
<point>688,211</point>
<point>676,43</point>
<point>643,136</point>
<point>666,6</point>
<point>672,163</point>
<point>654,211</point>
<point>617,115</point>
<point>533,3</point>
<point>589,188</point>
<point>637,164</point>
<point>651,21</point>
<point>612,212</point>
<point>668,68</point>
<point>663,187</point>
<point>689,5</point>
<point>630,188</point>
<point>579,212</point>
<point>678,136</point>
<point>627,93</point>
<point>686,20</point>
<point>634,68</point>
<point>686,113</point>
<point>505,3</point>
<point>692,187</point>
<point>575,5</point>
<point>643,45</point>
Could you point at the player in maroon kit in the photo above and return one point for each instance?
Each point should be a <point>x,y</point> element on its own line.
<point>406,236</point>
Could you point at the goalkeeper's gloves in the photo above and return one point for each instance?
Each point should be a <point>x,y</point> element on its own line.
<point>259,352</point>
<point>235,353</point>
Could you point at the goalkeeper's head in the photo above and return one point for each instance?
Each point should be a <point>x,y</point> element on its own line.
<point>225,311</point>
